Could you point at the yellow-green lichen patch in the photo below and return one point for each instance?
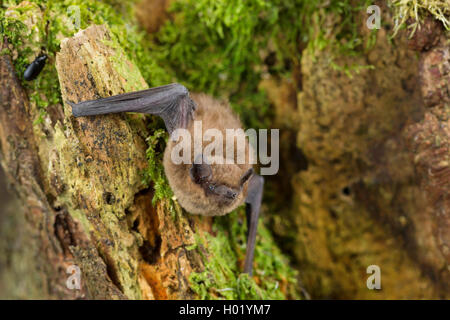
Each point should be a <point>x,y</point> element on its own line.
<point>131,78</point>
<point>24,24</point>
<point>100,159</point>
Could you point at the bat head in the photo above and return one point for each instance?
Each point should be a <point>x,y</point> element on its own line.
<point>219,181</point>
<point>207,187</point>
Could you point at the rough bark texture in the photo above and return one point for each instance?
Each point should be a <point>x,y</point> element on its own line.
<point>36,269</point>
<point>367,156</point>
<point>429,142</point>
<point>80,180</point>
<point>362,199</point>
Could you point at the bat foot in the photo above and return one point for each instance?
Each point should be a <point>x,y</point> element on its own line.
<point>253,201</point>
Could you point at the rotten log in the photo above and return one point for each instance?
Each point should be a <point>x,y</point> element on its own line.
<point>100,216</point>
<point>81,183</point>
<point>374,191</point>
<point>114,156</point>
<point>429,141</point>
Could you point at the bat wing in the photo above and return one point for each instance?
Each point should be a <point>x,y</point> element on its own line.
<point>253,206</point>
<point>171,102</point>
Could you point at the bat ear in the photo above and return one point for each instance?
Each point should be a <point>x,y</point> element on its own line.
<point>200,171</point>
<point>246,176</point>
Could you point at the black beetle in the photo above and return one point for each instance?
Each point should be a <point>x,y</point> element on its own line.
<point>33,70</point>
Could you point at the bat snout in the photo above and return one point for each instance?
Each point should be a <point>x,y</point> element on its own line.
<point>231,194</point>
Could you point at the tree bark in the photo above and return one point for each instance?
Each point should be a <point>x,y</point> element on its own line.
<point>38,267</point>
<point>429,142</point>
<point>79,181</point>
<point>82,203</point>
<point>375,189</point>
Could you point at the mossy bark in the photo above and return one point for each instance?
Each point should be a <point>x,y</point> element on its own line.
<point>429,144</point>
<point>82,199</point>
<point>366,154</point>
<point>366,196</point>
<point>88,173</point>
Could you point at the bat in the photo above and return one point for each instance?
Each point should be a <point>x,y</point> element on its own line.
<point>35,68</point>
<point>204,185</point>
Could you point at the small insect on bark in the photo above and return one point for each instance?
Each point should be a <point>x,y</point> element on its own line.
<point>202,186</point>
<point>35,68</point>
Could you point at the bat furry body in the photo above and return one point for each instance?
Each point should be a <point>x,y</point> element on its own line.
<point>207,184</point>
<point>194,197</point>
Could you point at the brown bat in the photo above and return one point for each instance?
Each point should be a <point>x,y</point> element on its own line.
<point>202,186</point>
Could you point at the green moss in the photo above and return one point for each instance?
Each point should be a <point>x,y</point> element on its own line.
<point>215,47</point>
<point>119,17</point>
<point>23,26</point>
<point>219,47</point>
<point>272,277</point>
<point>155,172</point>
<point>224,48</point>
<point>29,37</point>
<point>416,10</point>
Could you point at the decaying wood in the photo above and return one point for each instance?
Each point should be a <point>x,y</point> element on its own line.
<point>429,142</point>
<point>43,259</point>
<point>366,196</point>
<point>81,182</point>
<point>110,152</point>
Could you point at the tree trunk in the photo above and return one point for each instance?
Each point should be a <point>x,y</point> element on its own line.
<point>376,187</point>
<point>79,182</point>
<point>364,153</point>
<point>84,211</point>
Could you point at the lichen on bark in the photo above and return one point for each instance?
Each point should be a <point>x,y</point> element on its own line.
<point>100,210</point>
<point>364,149</point>
<point>359,201</point>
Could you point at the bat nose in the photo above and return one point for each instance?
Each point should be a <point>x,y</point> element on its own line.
<point>231,194</point>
